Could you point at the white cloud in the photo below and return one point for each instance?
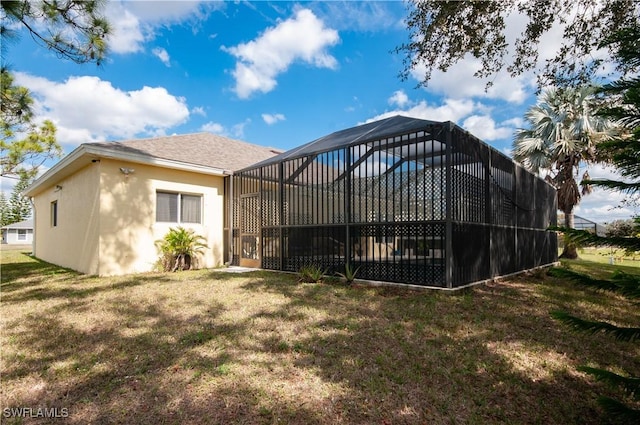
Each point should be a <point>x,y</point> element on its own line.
<point>484,127</point>
<point>214,127</point>
<point>6,185</point>
<point>458,82</point>
<point>301,38</point>
<point>237,130</point>
<point>127,35</point>
<point>455,110</point>
<point>199,110</point>
<point>517,122</point>
<point>163,55</point>
<point>172,11</point>
<point>604,206</point>
<point>399,98</point>
<point>367,16</point>
<point>88,108</point>
<point>450,110</point>
<point>134,22</point>
<point>272,118</point>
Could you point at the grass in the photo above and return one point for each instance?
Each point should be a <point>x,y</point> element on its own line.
<point>607,255</point>
<point>213,347</point>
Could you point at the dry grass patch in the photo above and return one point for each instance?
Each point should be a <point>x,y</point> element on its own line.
<point>215,347</point>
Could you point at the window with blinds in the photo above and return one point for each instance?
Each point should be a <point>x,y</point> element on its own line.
<point>174,207</point>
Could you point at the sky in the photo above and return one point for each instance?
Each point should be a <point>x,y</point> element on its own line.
<point>277,74</point>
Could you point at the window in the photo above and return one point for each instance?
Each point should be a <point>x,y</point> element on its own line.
<point>54,213</point>
<point>22,234</point>
<point>178,208</point>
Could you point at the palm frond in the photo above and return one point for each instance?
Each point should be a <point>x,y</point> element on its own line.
<point>619,411</point>
<point>614,185</point>
<point>594,327</point>
<point>628,284</point>
<point>621,283</point>
<point>586,238</point>
<point>582,279</point>
<point>630,384</point>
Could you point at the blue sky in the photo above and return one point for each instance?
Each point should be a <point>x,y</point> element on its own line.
<point>277,74</point>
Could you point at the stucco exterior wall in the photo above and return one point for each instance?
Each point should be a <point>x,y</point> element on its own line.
<point>127,226</point>
<point>73,243</point>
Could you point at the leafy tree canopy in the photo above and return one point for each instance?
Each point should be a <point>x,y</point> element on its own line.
<point>24,146</point>
<point>74,29</point>
<point>624,96</point>
<point>623,228</point>
<point>562,132</point>
<point>19,206</point>
<point>442,33</point>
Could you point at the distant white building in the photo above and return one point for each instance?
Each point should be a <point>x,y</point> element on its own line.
<point>20,233</point>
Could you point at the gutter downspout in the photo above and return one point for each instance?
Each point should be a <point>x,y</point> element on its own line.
<point>230,216</point>
<point>33,239</point>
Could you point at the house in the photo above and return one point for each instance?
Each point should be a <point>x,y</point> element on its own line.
<point>102,207</point>
<point>20,233</point>
<point>581,223</point>
<point>401,200</point>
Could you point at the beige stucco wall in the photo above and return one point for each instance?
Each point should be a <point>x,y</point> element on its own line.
<point>128,229</point>
<point>106,220</point>
<point>73,243</point>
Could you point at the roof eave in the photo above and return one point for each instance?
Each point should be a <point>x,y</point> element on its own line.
<point>56,172</point>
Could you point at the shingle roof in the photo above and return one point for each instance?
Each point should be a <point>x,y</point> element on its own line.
<point>205,149</point>
<point>26,224</point>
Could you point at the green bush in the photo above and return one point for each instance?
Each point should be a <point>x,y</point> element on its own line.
<point>349,274</point>
<point>311,273</point>
<point>179,249</point>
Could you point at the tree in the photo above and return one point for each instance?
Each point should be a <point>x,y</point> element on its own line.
<point>562,134</point>
<point>179,249</point>
<point>623,152</point>
<point>4,210</point>
<point>24,146</point>
<point>74,29</point>
<point>22,155</point>
<point>442,33</point>
<point>19,206</point>
<point>621,229</point>
<point>627,286</point>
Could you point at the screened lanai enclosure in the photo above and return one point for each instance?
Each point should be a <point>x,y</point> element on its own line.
<point>401,200</point>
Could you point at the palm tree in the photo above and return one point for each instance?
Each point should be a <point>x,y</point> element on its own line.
<point>562,135</point>
<point>179,249</point>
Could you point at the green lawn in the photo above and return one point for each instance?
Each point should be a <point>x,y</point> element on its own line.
<point>259,348</point>
<point>608,255</point>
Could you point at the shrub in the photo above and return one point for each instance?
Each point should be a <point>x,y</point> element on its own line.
<point>311,274</point>
<point>179,249</point>
<point>349,274</point>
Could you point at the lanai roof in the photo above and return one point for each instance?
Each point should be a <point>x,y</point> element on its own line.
<point>375,130</point>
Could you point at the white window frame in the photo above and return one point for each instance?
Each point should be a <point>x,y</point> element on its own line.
<point>179,213</point>
<point>22,234</point>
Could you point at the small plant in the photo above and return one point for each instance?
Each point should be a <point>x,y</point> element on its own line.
<point>179,249</point>
<point>349,274</point>
<point>311,274</point>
